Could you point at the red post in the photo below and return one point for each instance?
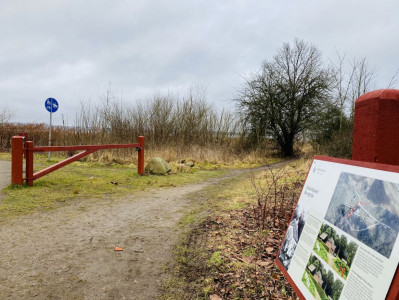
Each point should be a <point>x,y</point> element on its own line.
<point>140,160</point>
<point>376,127</point>
<point>17,146</point>
<point>29,162</point>
<point>25,136</point>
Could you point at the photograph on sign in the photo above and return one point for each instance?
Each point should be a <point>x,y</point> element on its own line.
<point>342,241</point>
<point>367,209</point>
<point>293,234</point>
<point>329,288</point>
<point>335,249</point>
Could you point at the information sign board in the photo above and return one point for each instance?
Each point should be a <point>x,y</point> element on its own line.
<point>342,241</point>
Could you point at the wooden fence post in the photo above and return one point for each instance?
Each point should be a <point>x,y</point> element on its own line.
<point>29,163</point>
<point>140,160</point>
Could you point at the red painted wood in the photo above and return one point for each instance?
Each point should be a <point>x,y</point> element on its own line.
<point>140,159</point>
<point>61,164</point>
<point>88,149</point>
<point>393,293</point>
<point>376,127</point>
<point>29,162</point>
<point>83,147</point>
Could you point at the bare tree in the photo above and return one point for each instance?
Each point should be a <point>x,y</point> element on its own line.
<point>351,81</point>
<point>283,99</point>
<point>5,115</point>
<point>363,80</point>
<point>393,80</point>
<point>343,81</point>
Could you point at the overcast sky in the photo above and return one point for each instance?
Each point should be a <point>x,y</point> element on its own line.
<point>73,50</point>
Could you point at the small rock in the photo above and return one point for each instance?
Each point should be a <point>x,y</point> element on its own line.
<point>183,168</point>
<point>158,166</point>
<point>189,164</point>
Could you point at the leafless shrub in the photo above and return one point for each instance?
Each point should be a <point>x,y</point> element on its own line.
<point>165,121</point>
<point>178,127</point>
<point>277,192</point>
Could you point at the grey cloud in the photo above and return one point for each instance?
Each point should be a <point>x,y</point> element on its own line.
<point>72,50</point>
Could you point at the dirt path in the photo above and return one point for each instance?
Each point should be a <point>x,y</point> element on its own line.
<point>5,174</point>
<point>68,253</point>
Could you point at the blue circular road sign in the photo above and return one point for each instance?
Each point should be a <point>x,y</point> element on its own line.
<point>51,105</point>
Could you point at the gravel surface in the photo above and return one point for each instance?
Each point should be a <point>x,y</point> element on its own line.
<point>5,174</point>
<point>68,252</point>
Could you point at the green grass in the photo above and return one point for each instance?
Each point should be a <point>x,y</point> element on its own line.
<point>339,263</point>
<point>319,290</point>
<point>249,251</point>
<point>5,156</point>
<point>322,251</point>
<point>311,287</point>
<point>86,180</point>
<point>215,260</point>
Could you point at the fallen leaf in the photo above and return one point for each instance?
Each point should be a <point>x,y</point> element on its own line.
<point>248,259</point>
<point>264,263</point>
<point>214,297</point>
<point>269,250</point>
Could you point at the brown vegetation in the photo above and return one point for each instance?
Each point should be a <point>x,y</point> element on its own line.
<point>174,128</point>
<point>230,253</point>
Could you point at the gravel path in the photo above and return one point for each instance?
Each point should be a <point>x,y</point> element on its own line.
<point>5,174</point>
<point>68,253</point>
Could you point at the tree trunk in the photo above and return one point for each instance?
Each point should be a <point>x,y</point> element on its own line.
<point>287,147</point>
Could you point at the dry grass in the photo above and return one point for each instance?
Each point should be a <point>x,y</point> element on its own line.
<point>225,251</point>
<point>175,127</point>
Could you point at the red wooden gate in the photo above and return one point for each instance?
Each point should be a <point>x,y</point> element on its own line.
<point>21,148</point>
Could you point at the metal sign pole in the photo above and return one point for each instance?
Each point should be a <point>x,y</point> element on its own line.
<point>49,136</point>
<point>52,106</point>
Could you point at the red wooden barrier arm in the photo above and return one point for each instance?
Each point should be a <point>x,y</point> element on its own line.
<point>83,147</point>
<point>37,175</point>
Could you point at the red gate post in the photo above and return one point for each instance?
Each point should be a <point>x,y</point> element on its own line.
<point>17,146</point>
<point>376,138</point>
<point>29,162</point>
<point>25,136</point>
<point>140,159</point>
<point>376,127</point>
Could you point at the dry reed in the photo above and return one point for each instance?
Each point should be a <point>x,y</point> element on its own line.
<point>174,128</point>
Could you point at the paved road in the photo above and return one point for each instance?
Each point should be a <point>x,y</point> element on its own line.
<point>5,174</point>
